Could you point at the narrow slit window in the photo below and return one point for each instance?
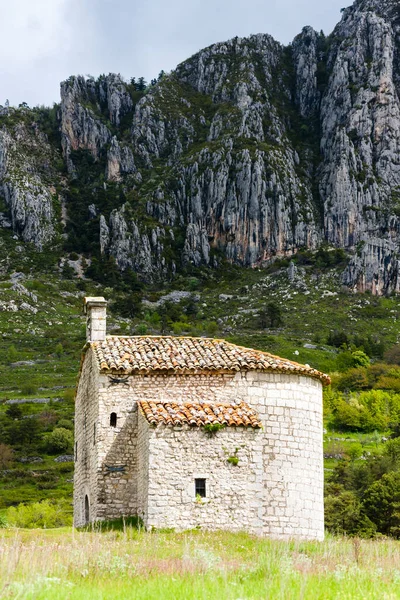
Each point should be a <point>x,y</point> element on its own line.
<point>87,510</point>
<point>200,487</point>
<point>113,420</point>
<point>94,434</point>
<point>76,451</point>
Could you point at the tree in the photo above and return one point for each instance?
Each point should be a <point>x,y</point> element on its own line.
<point>343,515</point>
<point>382,503</point>
<point>14,412</point>
<point>271,316</point>
<point>141,84</point>
<point>60,440</point>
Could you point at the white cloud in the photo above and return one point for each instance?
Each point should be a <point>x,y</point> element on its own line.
<point>44,41</point>
<point>31,30</point>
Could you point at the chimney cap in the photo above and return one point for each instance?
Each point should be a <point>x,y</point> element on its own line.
<point>90,301</point>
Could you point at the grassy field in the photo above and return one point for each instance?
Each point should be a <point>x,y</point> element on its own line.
<point>65,564</point>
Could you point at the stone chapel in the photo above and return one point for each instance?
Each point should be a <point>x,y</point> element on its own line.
<point>192,432</point>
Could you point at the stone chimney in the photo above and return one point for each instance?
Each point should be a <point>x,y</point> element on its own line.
<point>96,311</point>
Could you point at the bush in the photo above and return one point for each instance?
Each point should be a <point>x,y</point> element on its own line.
<point>60,440</point>
<point>44,514</point>
<point>29,389</point>
<point>351,360</point>
<point>141,329</point>
<point>65,424</point>
<point>367,411</point>
<point>211,327</point>
<point>355,451</point>
<point>392,356</point>
<point>69,395</point>
<point>12,354</point>
<point>353,379</point>
<point>6,456</point>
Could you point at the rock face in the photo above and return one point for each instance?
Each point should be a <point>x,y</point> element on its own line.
<point>360,119</point>
<point>25,173</point>
<point>248,151</point>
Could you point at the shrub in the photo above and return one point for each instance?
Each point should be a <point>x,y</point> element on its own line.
<point>355,451</point>
<point>211,327</point>
<point>14,412</point>
<point>69,395</point>
<point>6,456</point>
<point>350,360</point>
<point>392,355</point>
<point>65,424</point>
<point>392,450</point>
<point>12,354</point>
<point>337,339</point>
<point>60,440</point>
<point>29,389</point>
<point>367,411</point>
<point>45,514</point>
<point>178,327</point>
<point>353,379</point>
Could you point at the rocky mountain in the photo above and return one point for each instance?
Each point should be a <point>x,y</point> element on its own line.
<point>248,151</point>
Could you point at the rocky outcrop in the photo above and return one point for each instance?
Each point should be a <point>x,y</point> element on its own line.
<point>140,250</point>
<point>360,120</point>
<point>25,159</point>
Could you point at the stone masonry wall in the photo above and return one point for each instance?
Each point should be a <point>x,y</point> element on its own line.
<point>179,455</point>
<point>86,417</point>
<point>290,407</point>
<point>143,466</point>
<point>116,447</point>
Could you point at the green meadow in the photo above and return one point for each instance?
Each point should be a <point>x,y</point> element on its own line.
<point>121,565</point>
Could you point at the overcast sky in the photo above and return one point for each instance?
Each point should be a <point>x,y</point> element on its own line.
<point>43,42</point>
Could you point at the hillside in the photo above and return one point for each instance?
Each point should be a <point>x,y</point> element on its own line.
<point>292,310</point>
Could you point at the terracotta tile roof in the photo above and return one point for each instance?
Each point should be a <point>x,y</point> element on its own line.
<point>199,413</point>
<point>146,354</point>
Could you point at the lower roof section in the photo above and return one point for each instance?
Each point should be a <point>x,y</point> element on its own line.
<point>199,414</point>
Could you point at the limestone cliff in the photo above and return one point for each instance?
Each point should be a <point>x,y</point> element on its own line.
<point>248,150</point>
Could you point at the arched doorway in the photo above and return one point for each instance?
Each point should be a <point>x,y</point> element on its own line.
<point>87,514</point>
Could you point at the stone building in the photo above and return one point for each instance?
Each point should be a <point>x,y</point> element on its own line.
<point>191,432</point>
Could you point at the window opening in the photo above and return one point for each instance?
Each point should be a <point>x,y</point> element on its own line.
<point>94,434</point>
<point>76,451</point>
<point>87,515</point>
<point>113,420</point>
<point>200,487</point>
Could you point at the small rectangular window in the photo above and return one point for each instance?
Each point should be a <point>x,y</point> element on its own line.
<point>94,434</point>
<point>200,487</point>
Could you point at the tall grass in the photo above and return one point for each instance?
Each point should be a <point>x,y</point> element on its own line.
<point>65,564</point>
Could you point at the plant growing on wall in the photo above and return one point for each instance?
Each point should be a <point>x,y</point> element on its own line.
<point>213,428</point>
<point>234,459</point>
